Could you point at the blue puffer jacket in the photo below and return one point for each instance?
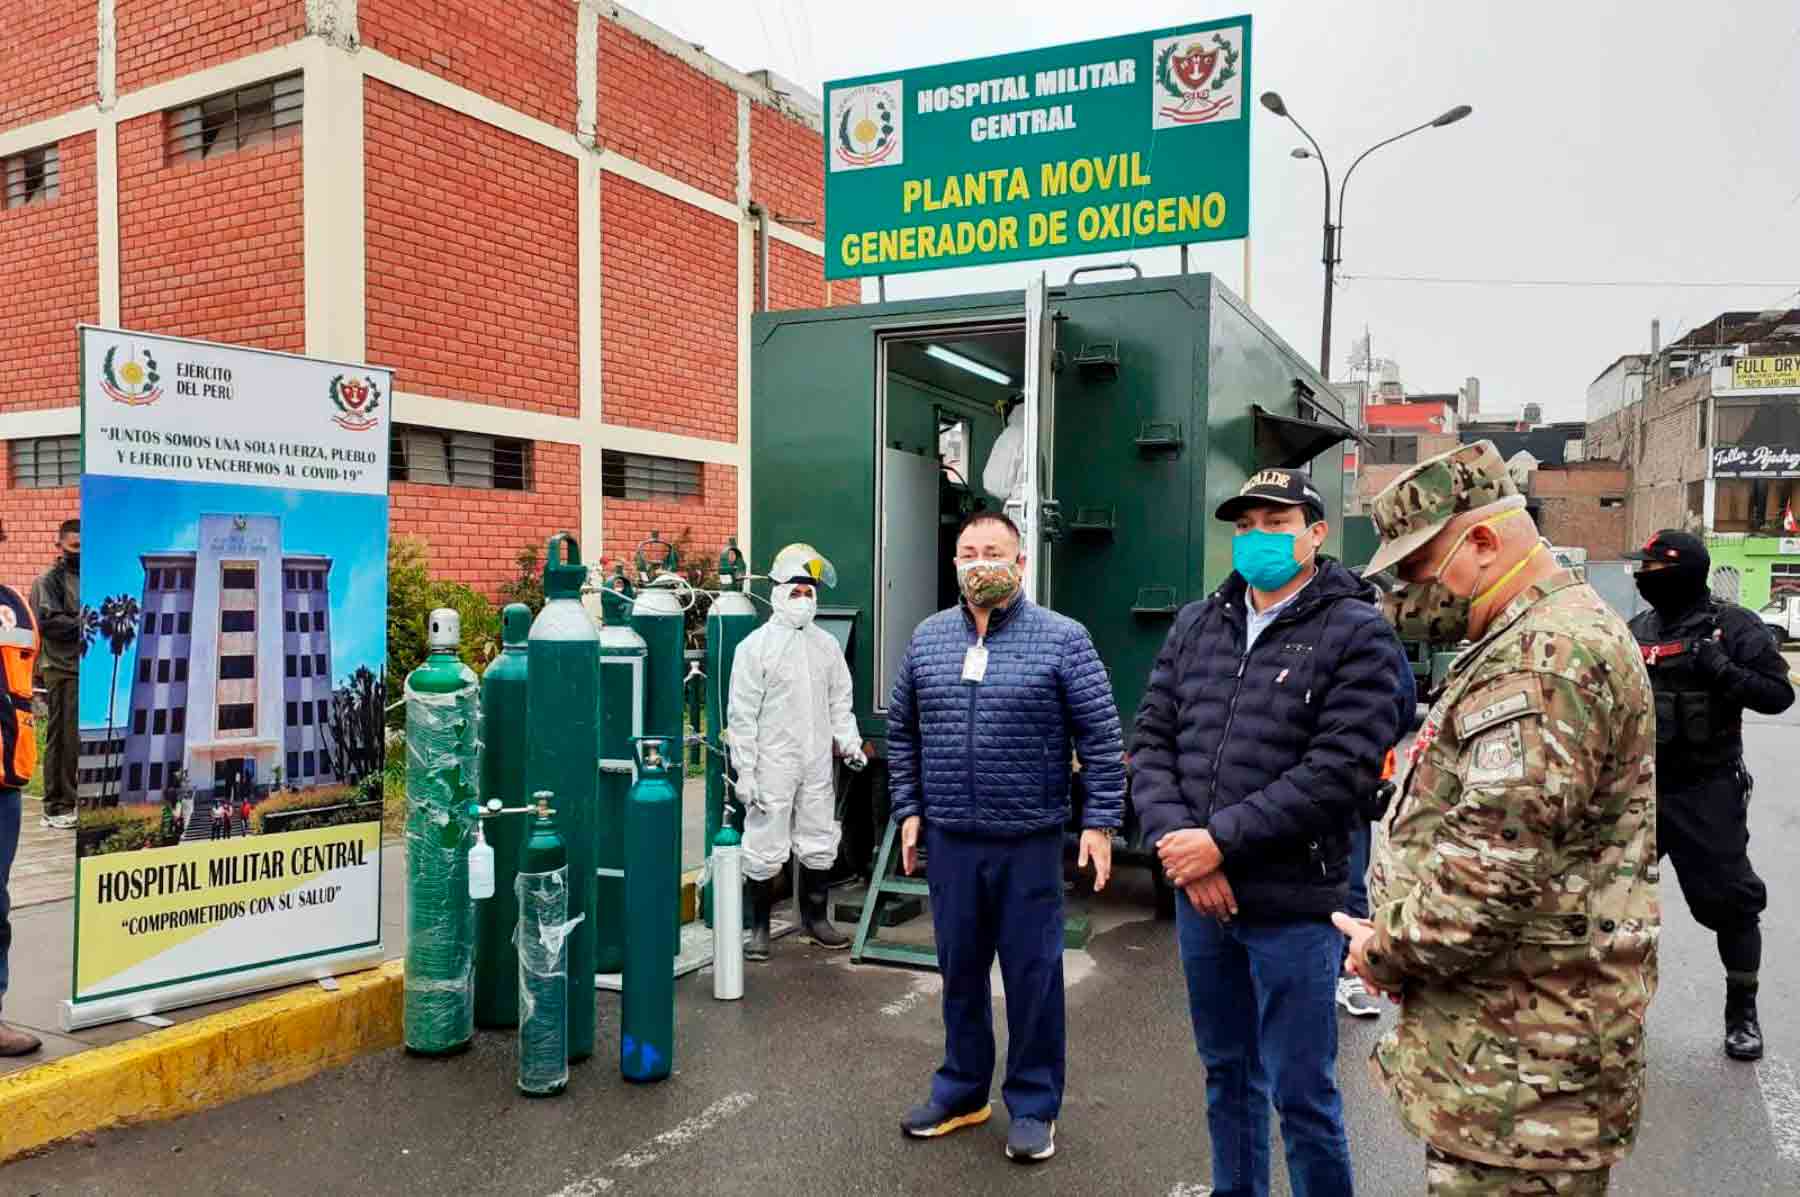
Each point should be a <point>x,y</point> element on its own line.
<point>994,758</point>
<point>1272,752</point>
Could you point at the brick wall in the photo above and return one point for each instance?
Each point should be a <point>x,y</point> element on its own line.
<point>48,258</point>
<point>797,278</point>
<point>472,270</point>
<point>660,111</point>
<point>212,248</point>
<point>787,173</point>
<point>474,536</point>
<point>669,313</point>
<point>48,51</point>
<point>704,520</point>
<point>521,53</point>
<point>1571,515</point>
<point>162,39</point>
<point>30,519</point>
<point>1665,455</point>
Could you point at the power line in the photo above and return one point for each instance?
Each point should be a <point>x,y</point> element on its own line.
<point>1555,282</point>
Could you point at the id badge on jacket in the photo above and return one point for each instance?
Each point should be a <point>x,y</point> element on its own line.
<point>975,663</point>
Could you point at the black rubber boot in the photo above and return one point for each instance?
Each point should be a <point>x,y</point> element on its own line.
<point>815,915</point>
<point>762,901</point>
<point>1743,1033</point>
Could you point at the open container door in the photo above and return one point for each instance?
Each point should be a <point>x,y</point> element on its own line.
<point>1032,505</point>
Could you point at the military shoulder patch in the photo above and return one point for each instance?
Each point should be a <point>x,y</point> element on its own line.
<point>1497,756</point>
<point>1500,702</point>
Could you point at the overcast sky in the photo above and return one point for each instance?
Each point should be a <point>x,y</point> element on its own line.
<point>1612,141</point>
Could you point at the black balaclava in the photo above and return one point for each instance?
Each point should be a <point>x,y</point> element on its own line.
<point>1674,589</point>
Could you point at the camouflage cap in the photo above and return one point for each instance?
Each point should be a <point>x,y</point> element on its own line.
<point>1414,507</point>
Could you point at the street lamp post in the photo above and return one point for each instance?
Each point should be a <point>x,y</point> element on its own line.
<point>1334,244</point>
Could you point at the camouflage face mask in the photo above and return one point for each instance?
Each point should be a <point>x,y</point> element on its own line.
<point>1427,611</point>
<point>987,583</point>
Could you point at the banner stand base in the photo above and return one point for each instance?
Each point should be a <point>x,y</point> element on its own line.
<point>75,1016</point>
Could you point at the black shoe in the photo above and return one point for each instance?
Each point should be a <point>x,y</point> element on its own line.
<point>1743,1033</point>
<point>815,919</point>
<point>930,1120</point>
<point>762,901</point>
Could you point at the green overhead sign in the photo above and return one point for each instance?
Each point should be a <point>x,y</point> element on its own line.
<point>1107,145</point>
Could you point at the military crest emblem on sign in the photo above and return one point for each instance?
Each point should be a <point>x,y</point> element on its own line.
<point>868,123</point>
<point>1198,78</point>
<point>132,382</point>
<point>356,400</point>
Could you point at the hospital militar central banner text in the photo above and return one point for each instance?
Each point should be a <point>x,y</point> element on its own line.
<point>234,583</point>
<point>1115,144</point>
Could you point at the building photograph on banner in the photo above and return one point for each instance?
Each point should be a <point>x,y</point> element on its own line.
<point>234,505</point>
<point>1116,144</point>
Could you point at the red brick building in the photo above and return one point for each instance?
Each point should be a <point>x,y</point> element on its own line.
<point>543,214</point>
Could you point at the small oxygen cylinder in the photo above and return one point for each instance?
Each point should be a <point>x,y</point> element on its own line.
<point>728,914</point>
<point>542,939</point>
<point>647,1012</point>
<point>503,742</point>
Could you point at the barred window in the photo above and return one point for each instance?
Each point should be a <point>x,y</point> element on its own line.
<point>442,458</point>
<point>237,716</point>
<point>32,176</point>
<point>45,461</point>
<point>234,120</point>
<point>639,476</point>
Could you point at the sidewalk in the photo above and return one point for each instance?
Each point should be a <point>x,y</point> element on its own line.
<point>42,956</point>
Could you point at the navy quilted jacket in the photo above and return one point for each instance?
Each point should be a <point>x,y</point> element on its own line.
<point>1272,752</point>
<point>994,757</point>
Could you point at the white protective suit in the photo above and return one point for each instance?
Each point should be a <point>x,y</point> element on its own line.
<point>790,703</point>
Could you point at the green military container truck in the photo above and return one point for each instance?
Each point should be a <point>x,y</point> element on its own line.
<point>1148,401</point>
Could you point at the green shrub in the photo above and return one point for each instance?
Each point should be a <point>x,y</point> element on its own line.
<point>413,594</point>
<point>303,800</point>
<point>121,829</point>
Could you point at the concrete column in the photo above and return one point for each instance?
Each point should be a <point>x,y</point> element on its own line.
<point>336,250</point>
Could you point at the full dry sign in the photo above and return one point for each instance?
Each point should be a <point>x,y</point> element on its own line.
<point>1105,145</point>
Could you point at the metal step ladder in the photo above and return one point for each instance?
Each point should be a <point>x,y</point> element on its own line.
<point>883,887</point>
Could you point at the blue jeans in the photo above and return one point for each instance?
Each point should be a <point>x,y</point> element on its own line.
<point>10,807</point>
<point>1005,895</point>
<point>1261,997</point>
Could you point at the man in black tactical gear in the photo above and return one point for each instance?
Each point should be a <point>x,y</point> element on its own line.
<point>1708,661</point>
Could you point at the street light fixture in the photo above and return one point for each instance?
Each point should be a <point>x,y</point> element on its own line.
<point>1334,244</point>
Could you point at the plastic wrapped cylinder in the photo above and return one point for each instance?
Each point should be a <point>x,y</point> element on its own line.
<point>543,947</point>
<point>442,770</point>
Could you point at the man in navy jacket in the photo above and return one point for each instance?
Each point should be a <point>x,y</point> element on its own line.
<point>994,697</point>
<point>1259,738</point>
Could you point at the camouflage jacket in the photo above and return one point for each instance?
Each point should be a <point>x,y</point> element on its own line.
<point>1514,893</point>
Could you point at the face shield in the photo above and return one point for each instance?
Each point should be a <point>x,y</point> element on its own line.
<point>803,563</point>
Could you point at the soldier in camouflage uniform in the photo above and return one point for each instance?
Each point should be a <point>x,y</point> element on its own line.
<point>1514,888</point>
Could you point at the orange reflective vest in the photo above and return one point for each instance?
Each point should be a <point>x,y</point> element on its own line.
<point>18,653</point>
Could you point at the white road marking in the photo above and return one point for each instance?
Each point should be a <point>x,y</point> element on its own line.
<point>923,985</point>
<point>1781,1097</point>
<point>686,1132</point>
<point>653,1150</point>
<point>1185,1189</point>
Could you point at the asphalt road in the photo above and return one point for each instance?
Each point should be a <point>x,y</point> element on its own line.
<point>798,1088</point>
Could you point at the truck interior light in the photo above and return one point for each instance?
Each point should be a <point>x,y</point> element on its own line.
<point>968,363</point>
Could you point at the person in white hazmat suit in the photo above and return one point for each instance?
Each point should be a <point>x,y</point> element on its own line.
<point>788,711</point>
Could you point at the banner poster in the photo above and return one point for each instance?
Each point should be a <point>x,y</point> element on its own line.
<point>234,580</point>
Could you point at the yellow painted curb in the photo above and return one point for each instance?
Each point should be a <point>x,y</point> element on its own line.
<point>181,1070</point>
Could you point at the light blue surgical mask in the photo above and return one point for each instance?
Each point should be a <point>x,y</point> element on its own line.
<point>1265,559</point>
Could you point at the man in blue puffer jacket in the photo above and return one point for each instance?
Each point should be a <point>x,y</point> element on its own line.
<point>994,697</point>
<point>1259,738</point>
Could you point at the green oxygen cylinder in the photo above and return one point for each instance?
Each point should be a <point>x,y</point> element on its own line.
<point>652,869</point>
<point>657,614</point>
<point>622,657</point>
<point>543,956</point>
<point>731,618</point>
<point>442,750</point>
<point>562,746</point>
<point>502,778</point>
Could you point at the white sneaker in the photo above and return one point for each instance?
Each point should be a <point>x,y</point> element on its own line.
<point>57,822</point>
<point>1356,1000</point>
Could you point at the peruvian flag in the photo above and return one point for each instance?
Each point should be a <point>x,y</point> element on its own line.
<point>1789,524</point>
